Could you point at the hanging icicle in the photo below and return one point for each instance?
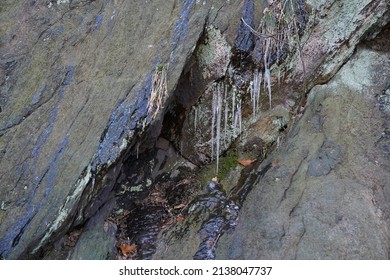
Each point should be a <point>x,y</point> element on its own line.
<point>214,110</point>
<point>258,88</point>
<point>219,113</point>
<point>253,99</point>
<point>267,73</point>
<point>239,117</point>
<point>195,117</point>
<point>254,90</point>
<point>267,78</point>
<point>257,76</point>
<point>236,124</point>
<point>226,114</point>
<point>233,108</point>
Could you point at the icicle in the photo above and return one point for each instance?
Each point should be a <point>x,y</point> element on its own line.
<point>195,117</point>
<point>233,108</point>
<point>214,108</point>
<point>235,122</point>
<point>267,78</point>
<point>255,87</point>
<point>239,116</point>
<point>259,78</point>
<point>267,74</point>
<point>266,60</point>
<point>226,113</point>
<point>252,91</point>
<point>219,112</point>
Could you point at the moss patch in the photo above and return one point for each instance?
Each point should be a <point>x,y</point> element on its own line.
<point>2,213</point>
<point>226,164</point>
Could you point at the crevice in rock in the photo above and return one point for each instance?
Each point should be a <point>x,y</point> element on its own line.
<point>300,237</point>
<point>158,181</point>
<point>292,177</point>
<point>146,198</point>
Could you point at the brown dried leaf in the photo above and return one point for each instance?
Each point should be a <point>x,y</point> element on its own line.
<point>179,219</point>
<point>246,162</point>
<point>128,249</point>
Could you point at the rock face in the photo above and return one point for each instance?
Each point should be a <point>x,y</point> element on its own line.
<point>75,83</point>
<point>325,190</point>
<point>328,196</point>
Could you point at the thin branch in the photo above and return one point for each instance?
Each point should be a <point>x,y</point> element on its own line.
<point>264,36</point>
<point>258,34</point>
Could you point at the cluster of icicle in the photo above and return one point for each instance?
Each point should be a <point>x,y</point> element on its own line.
<point>226,111</point>
<point>255,88</point>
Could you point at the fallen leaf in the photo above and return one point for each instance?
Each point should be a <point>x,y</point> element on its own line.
<point>128,249</point>
<point>179,219</point>
<point>246,162</point>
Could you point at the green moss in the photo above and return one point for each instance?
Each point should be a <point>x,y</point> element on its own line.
<point>160,67</point>
<point>1,215</point>
<point>226,164</point>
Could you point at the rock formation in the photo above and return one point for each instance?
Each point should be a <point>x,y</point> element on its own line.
<point>84,152</point>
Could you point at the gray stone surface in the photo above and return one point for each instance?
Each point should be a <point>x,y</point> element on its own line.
<point>328,197</point>
<point>97,241</point>
<point>76,78</point>
<point>325,160</point>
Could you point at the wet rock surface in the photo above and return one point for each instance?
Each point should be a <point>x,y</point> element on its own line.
<point>147,208</point>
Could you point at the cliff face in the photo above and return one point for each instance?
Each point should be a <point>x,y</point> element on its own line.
<point>75,82</point>
<point>79,128</point>
<point>328,195</point>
